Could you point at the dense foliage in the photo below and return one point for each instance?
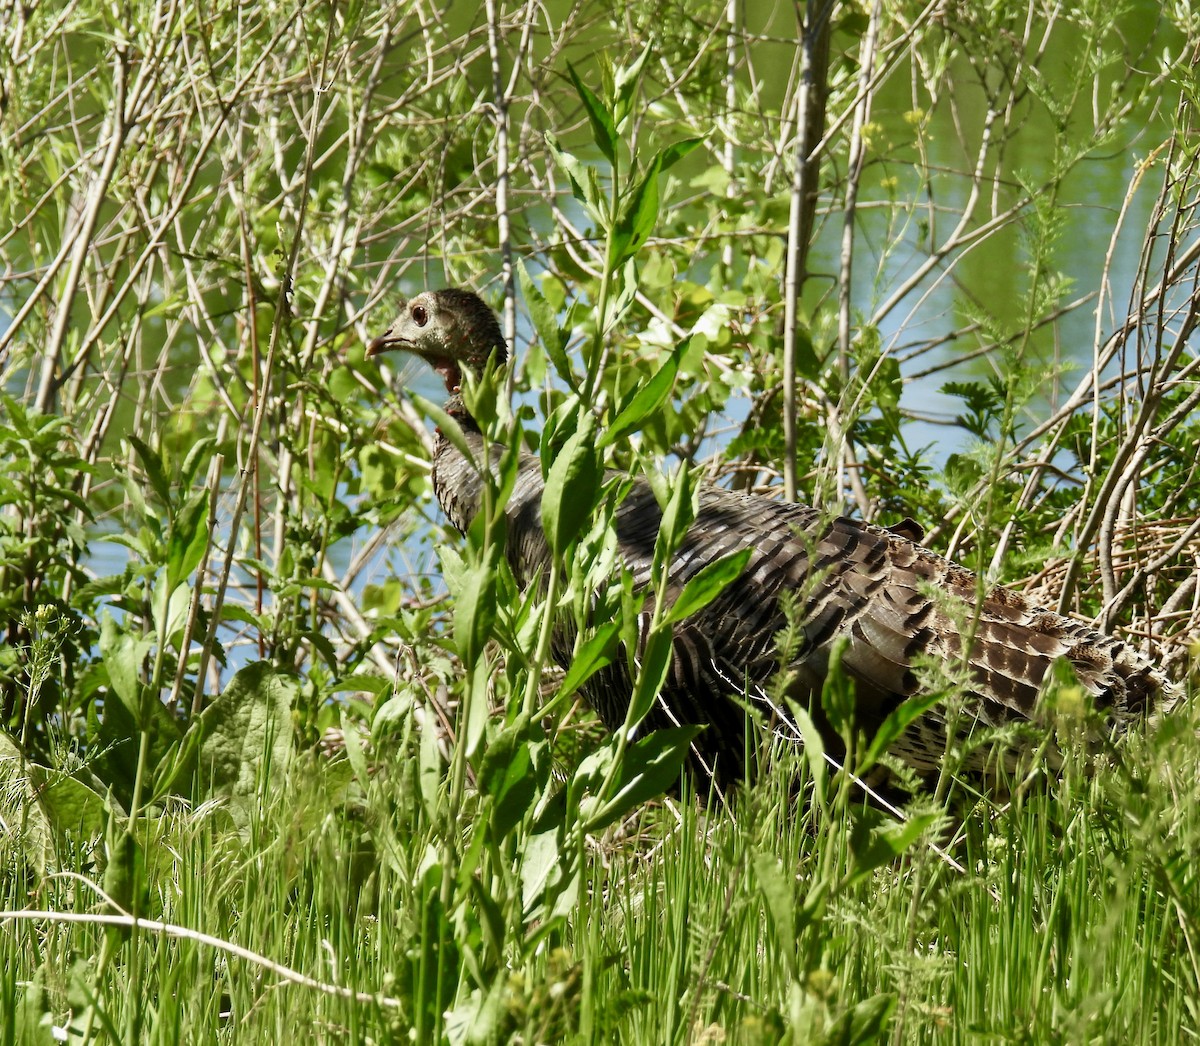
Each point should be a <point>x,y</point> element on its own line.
<point>277,752</point>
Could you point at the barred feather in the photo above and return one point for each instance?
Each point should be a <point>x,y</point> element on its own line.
<point>891,600</point>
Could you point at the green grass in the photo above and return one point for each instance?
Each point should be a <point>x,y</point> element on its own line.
<point>1073,920</point>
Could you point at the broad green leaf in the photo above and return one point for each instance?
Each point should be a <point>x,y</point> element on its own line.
<point>545,323</point>
<point>675,152</point>
<point>475,606</point>
<point>123,655</point>
<point>153,467</point>
<point>170,605</point>
<point>539,867</point>
<point>353,747</point>
<point>807,363</point>
<point>513,772</point>
<point>837,692</point>
<point>677,518</point>
<point>865,1022</point>
<point>896,723</point>
<point>572,486</point>
<point>200,454</point>
<point>125,869</point>
<point>655,662</point>
<point>74,808</point>
<point>814,747</point>
<point>708,583</point>
<point>430,768</point>
<point>187,538</point>
<point>593,654</point>
<point>19,805</point>
<point>585,185</point>
<point>875,845</point>
<point>446,425</point>
<point>646,402</point>
<point>604,133</point>
<point>639,215</point>
<point>477,712</point>
<point>625,82</point>
<point>247,735</point>
<point>650,766</point>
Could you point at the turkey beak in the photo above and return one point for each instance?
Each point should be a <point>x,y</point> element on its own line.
<point>384,343</point>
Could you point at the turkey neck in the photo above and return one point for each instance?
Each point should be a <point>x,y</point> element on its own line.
<point>457,483</point>
<point>458,486</point>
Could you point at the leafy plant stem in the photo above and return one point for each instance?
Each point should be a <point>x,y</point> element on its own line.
<point>545,630</point>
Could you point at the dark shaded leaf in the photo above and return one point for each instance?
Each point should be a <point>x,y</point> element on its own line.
<point>874,844</point>
<point>865,1022</point>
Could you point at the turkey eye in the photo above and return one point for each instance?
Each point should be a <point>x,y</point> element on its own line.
<point>419,315</point>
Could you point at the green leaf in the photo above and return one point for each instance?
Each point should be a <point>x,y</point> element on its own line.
<point>837,692</point>
<point>677,518</point>
<point>675,152</point>
<point>353,748</point>
<point>475,606</point>
<point>544,873</point>
<point>650,766</point>
<point>123,655</point>
<point>169,606</point>
<point>125,870</point>
<point>708,583</point>
<point>814,747</point>
<point>874,846</point>
<point>152,465</point>
<point>625,84</point>
<point>777,891</point>
<point>655,662</point>
<point>429,768</point>
<point>247,737</point>
<point>514,773</point>
<point>572,486</point>
<point>187,538</point>
<point>26,822</point>
<point>446,424</point>
<point>74,808</point>
<point>604,132</point>
<point>545,323</point>
<point>896,723</point>
<point>646,402</point>
<point>640,212</point>
<point>866,1022</point>
<point>585,184</point>
<point>593,654</point>
<point>807,363</point>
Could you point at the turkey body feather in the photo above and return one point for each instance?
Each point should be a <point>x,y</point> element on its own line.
<point>831,582</point>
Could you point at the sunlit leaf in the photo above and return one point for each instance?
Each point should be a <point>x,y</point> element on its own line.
<point>604,133</point>
<point>709,582</point>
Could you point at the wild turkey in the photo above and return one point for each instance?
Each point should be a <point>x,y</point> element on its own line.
<point>849,579</point>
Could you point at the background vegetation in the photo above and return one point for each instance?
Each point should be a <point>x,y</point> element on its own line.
<point>935,261</point>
